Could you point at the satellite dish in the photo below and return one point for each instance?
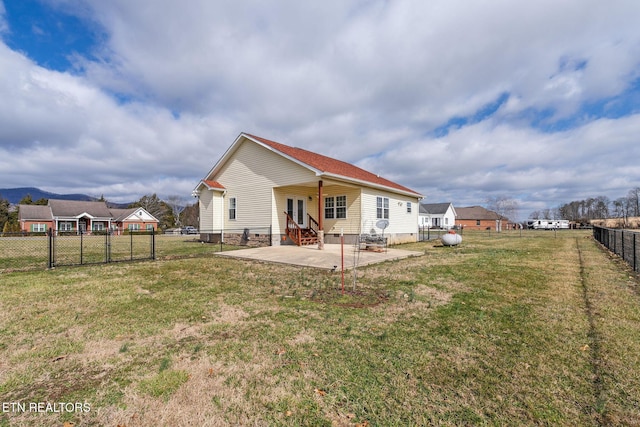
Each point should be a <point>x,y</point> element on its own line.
<point>382,224</point>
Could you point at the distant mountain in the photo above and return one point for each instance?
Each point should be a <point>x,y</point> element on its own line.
<point>14,195</point>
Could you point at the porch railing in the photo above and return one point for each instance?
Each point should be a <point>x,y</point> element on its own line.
<point>299,235</point>
<point>293,230</point>
<point>313,225</point>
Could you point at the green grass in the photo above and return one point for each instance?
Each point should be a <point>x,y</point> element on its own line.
<point>501,330</point>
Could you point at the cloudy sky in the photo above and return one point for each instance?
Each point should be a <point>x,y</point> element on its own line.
<point>459,100</point>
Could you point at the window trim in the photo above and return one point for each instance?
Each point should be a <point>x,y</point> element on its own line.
<point>382,207</point>
<point>338,203</point>
<point>38,227</point>
<point>233,208</point>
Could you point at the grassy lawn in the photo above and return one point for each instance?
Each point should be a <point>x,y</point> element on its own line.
<point>500,330</point>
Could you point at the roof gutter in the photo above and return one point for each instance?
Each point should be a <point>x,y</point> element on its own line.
<point>372,185</point>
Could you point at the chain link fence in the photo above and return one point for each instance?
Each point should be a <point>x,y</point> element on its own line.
<point>425,234</point>
<point>26,251</point>
<point>20,251</point>
<point>32,251</point>
<point>623,243</point>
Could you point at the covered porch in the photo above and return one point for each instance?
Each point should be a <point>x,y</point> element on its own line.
<point>315,213</point>
<point>82,224</point>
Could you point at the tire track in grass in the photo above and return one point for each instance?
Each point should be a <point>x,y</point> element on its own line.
<point>594,345</point>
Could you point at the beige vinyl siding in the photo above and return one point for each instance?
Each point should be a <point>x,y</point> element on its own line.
<point>206,210</point>
<point>210,210</point>
<point>350,225</point>
<point>249,176</point>
<point>401,224</point>
<point>280,196</point>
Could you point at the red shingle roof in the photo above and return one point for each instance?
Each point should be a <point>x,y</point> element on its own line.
<point>213,184</point>
<point>331,166</point>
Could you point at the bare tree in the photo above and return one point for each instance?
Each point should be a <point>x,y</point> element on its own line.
<point>177,204</point>
<point>157,208</point>
<point>634,201</point>
<point>503,206</point>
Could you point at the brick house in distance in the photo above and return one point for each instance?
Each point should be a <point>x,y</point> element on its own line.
<point>81,217</point>
<point>479,218</point>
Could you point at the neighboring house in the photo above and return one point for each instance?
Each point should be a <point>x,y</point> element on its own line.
<point>70,216</point>
<point>301,196</point>
<point>133,219</point>
<point>479,218</point>
<point>35,218</point>
<point>437,215</point>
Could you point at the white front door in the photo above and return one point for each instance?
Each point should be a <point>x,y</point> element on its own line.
<point>297,209</point>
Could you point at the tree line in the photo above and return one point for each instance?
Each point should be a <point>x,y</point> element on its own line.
<point>595,208</point>
<point>172,212</point>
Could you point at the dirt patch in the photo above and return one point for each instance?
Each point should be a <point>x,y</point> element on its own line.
<point>358,298</point>
<point>228,314</point>
<point>302,338</point>
<point>436,295</point>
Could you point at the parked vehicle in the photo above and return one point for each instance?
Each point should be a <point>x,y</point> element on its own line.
<point>189,230</point>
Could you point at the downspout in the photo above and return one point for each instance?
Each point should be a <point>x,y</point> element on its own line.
<point>320,220</point>
<point>224,194</point>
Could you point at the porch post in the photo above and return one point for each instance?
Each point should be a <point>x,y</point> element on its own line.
<point>320,215</point>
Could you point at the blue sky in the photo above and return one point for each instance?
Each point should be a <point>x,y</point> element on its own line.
<point>537,101</point>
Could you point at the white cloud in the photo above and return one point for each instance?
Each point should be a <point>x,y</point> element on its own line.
<point>367,82</point>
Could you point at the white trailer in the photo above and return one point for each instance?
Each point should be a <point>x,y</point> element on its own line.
<point>548,224</point>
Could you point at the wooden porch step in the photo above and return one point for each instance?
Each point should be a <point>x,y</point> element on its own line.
<point>308,237</point>
<point>309,240</point>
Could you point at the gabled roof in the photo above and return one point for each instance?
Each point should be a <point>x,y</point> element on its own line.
<point>73,208</point>
<point>434,208</point>
<point>477,212</point>
<point>120,215</point>
<point>36,212</point>
<point>332,167</point>
<point>321,165</point>
<point>213,184</point>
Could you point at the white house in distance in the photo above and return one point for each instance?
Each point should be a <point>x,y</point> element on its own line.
<point>300,196</point>
<point>437,215</point>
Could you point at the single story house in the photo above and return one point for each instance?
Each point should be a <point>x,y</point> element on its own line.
<point>301,197</point>
<point>479,218</point>
<point>437,215</point>
<point>71,216</point>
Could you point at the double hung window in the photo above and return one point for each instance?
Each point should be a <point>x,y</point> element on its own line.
<point>335,207</point>
<point>382,207</point>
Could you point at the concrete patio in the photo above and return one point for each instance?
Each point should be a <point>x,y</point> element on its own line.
<point>311,256</point>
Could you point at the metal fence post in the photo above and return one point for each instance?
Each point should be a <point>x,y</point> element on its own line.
<point>81,246</point>
<point>635,258</point>
<point>106,247</point>
<point>51,253</point>
<point>153,245</point>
